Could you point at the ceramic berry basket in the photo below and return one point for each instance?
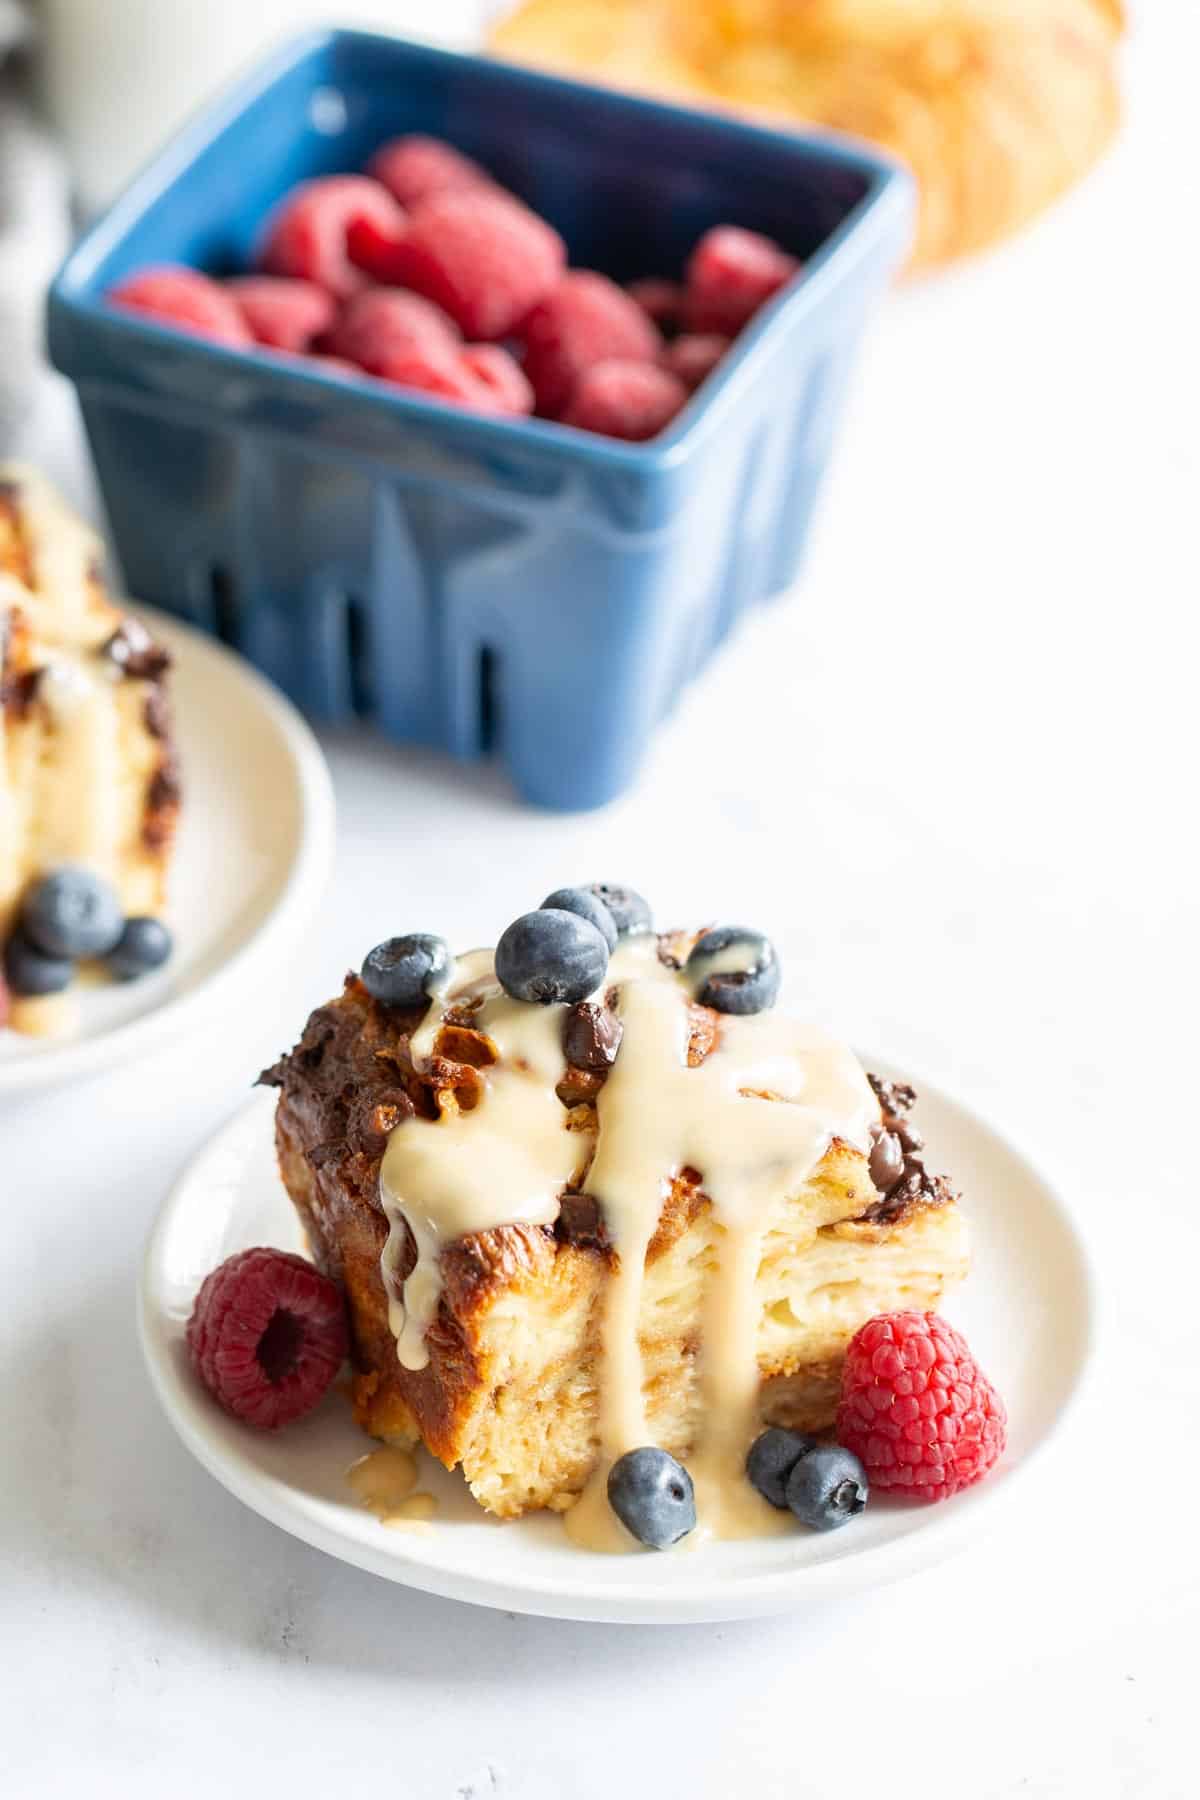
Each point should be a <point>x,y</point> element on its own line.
<point>473,583</point>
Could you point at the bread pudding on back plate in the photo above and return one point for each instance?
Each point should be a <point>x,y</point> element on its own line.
<point>89,786</point>
<point>590,1192</point>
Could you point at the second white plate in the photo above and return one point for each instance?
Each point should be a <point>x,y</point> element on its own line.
<point>1027,1311</point>
<point>254,852</point>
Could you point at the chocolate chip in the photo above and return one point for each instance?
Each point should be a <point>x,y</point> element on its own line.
<point>581,1222</point>
<point>135,652</point>
<point>887,1161</point>
<point>591,1037</point>
<point>907,1132</point>
<point>163,795</point>
<point>916,1187</point>
<point>156,713</point>
<point>18,692</point>
<point>895,1100</point>
<point>893,1096</point>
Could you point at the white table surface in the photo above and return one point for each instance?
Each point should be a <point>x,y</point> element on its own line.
<point>955,776</point>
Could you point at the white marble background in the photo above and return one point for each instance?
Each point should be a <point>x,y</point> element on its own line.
<point>956,776</point>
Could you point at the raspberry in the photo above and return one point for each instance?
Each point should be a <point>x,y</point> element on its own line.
<point>414,167</point>
<point>480,255</point>
<point>661,301</point>
<point>286,314</point>
<point>307,233</point>
<point>441,371</point>
<point>381,323</point>
<point>694,356</point>
<point>267,1335</point>
<point>587,319</point>
<point>916,1409</point>
<point>730,274</point>
<point>625,399</point>
<point>374,248</point>
<point>184,298</point>
<point>501,374</point>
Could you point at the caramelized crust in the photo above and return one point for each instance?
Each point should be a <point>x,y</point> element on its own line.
<point>510,1387</point>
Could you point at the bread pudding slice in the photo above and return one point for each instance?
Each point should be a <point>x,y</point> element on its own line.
<point>512,1388</point>
<point>88,770</point>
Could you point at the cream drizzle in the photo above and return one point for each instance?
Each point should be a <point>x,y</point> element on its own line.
<point>383,1479</point>
<point>657,1117</point>
<point>735,959</point>
<point>506,1162</point>
<point>754,1118</point>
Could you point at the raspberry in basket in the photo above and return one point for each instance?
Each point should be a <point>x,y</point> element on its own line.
<point>631,400</point>
<point>501,375</point>
<point>478,254</point>
<point>454,374</point>
<point>307,233</point>
<point>916,1409</point>
<point>730,274</point>
<point>185,298</point>
<point>587,319</point>
<point>414,167</point>
<point>661,301</point>
<point>267,1335</point>
<point>384,322</point>
<point>282,311</point>
<point>694,356</point>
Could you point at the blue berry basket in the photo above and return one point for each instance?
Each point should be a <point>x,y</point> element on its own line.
<point>473,583</point>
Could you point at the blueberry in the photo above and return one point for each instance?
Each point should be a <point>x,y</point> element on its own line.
<point>734,970</point>
<point>629,911</point>
<point>404,971</point>
<point>28,971</point>
<point>71,913</point>
<point>585,903</point>
<point>551,955</point>
<point>773,1456</point>
<point>144,944</point>
<point>827,1487</point>
<point>652,1496</point>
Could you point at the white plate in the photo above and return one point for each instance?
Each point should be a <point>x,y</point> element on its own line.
<point>254,852</point>
<point>1027,1311</point>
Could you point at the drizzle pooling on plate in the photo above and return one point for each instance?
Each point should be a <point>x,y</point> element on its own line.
<point>754,1119</point>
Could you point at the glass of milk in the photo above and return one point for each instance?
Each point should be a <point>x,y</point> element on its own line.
<point>118,76</point>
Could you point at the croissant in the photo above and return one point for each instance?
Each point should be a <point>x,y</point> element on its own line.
<point>998,106</point>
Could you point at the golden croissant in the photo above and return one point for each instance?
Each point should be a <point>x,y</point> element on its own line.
<point>997,105</point>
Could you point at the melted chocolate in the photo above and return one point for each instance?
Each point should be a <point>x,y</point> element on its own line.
<point>897,1171</point>
<point>581,1222</point>
<point>135,652</point>
<point>591,1037</point>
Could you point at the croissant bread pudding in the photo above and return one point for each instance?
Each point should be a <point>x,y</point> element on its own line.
<point>89,788</point>
<point>591,1193</point>
<point>998,106</point>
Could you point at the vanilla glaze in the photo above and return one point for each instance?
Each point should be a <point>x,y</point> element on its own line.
<point>754,1119</point>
